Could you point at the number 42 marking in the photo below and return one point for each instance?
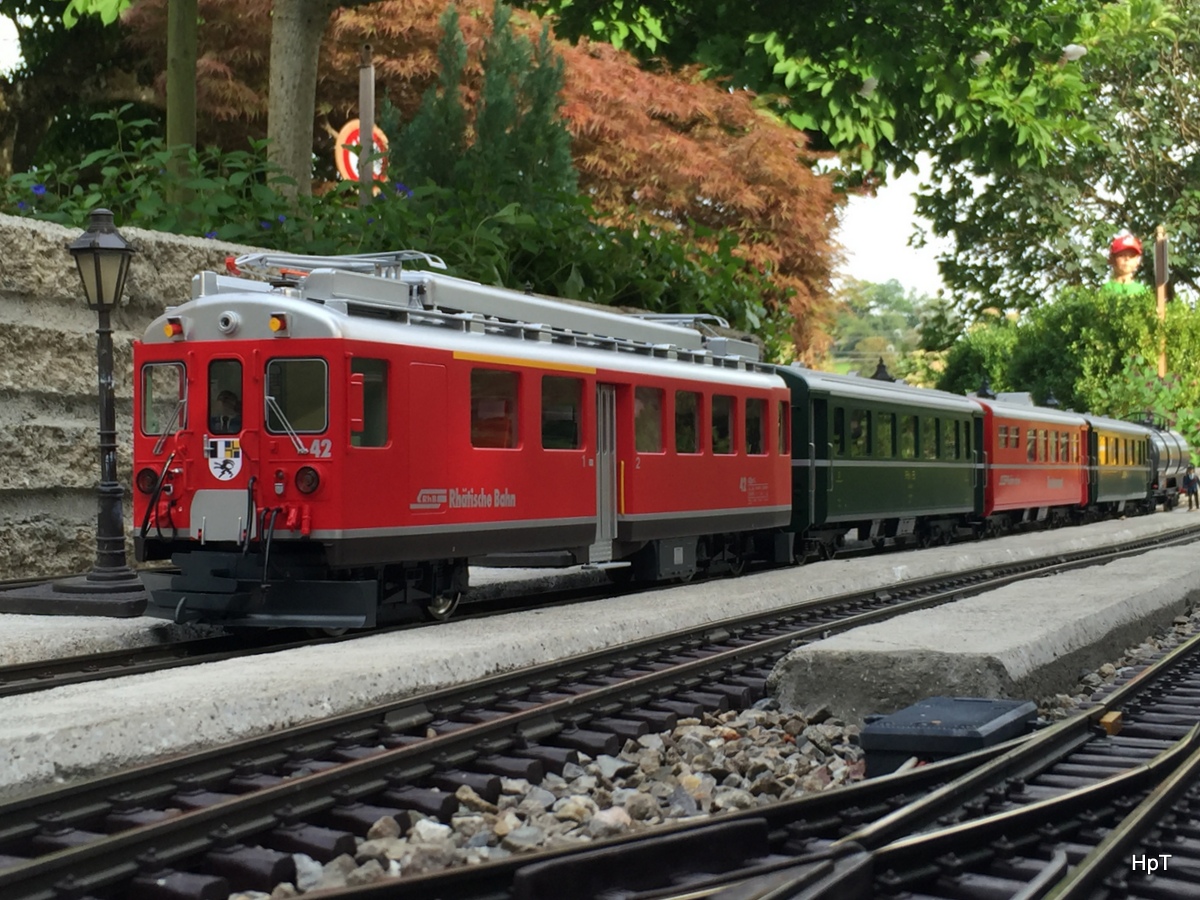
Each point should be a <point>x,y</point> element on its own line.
<point>320,447</point>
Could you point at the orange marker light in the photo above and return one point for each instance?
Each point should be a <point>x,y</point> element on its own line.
<point>173,328</point>
<point>278,323</point>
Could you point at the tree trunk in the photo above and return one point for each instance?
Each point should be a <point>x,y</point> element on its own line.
<point>296,30</point>
<point>182,36</point>
<point>182,40</point>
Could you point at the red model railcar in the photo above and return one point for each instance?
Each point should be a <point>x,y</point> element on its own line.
<point>327,450</point>
<point>1036,464</point>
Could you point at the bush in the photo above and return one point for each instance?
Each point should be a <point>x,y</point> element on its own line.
<point>550,243</point>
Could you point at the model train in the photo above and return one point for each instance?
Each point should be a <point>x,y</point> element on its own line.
<point>333,447</point>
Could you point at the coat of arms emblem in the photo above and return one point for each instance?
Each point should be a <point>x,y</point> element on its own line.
<point>224,457</point>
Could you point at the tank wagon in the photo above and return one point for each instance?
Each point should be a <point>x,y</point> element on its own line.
<point>1169,458</point>
<point>335,446</point>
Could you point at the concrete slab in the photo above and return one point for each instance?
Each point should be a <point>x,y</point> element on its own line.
<point>83,730</point>
<point>1023,641</point>
<point>76,597</point>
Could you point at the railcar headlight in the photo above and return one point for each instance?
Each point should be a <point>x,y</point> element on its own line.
<point>307,479</point>
<point>146,481</point>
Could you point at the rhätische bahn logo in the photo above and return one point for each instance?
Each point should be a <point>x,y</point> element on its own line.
<point>224,457</point>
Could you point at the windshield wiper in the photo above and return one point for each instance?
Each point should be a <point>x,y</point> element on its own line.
<point>273,406</point>
<point>170,429</point>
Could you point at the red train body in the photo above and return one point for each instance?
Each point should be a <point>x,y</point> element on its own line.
<point>388,430</point>
<point>1037,463</point>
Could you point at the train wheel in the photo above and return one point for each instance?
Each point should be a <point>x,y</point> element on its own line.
<point>440,608</point>
<point>325,632</point>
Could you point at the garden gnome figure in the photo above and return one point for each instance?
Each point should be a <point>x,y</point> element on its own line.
<point>1125,257</point>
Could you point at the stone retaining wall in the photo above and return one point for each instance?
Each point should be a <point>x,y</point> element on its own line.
<point>49,415</point>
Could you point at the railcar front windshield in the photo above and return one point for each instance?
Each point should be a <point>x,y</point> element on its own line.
<point>164,398</point>
<point>297,396</point>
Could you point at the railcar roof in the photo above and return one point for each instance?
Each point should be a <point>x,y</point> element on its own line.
<point>463,334</point>
<point>893,392</point>
<point>1030,413</point>
<point>1117,425</point>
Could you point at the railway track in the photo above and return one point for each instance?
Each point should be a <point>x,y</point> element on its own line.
<point>28,677</point>
<point>234,815</point>
<point>40,675</point>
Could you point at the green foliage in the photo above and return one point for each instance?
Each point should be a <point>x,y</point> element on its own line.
<point>873,321</point>
<point>876,82</point>
<point>982,352</point>
<point>553,245</point>
<point>1022,233</point>
<point>1090,349</point>
<point>433,143</point>
<point>1138,393</point>
<point>520,148</point>
<point>107,10</point>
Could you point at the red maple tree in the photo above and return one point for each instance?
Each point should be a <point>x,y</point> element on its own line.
<point>664,147</point>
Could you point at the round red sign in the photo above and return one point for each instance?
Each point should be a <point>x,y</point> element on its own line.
<point>347,158</point>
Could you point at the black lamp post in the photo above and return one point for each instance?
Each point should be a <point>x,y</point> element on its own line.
<point>103,256</point>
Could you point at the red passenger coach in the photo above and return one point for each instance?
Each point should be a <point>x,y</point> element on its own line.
<point>326,449</point>
<point>1036,464</point>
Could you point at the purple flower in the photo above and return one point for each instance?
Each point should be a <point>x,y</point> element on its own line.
<point>210,234</point>
<point>39,189</point>
<point>402,188</point>
<point>371,221</point>
<point>265,225</point>
<point>282,217</point>
<point>20,204</point>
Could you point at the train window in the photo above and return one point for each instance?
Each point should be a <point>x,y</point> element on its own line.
<point>164,398</point>
<point>860,432</point>
<point>1052,449</point>
<point>1042,455</point>
<point>966,439</point>
<point>1014,438</point>
<point>784,433</point>
<point>756,422</point>
<point>1030,445</point>
<point>297,396</point>
<point>225,396</point>
<point>722,424</point>
<point>375,402</point>
<point>885,435</point>
<point>908,437</point>
<point>949,439</point>
<point>647,419</point>
<point>839,432</point>
<point>1075,448</point>
<point>1064,451</point>
<point>494,408</point>
<point>929,438</point>
<point>562,402</point>
<point>687,422</point>
<point>1002,436</point>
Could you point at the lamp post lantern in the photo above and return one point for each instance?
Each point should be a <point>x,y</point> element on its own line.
<point>102,257</point>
